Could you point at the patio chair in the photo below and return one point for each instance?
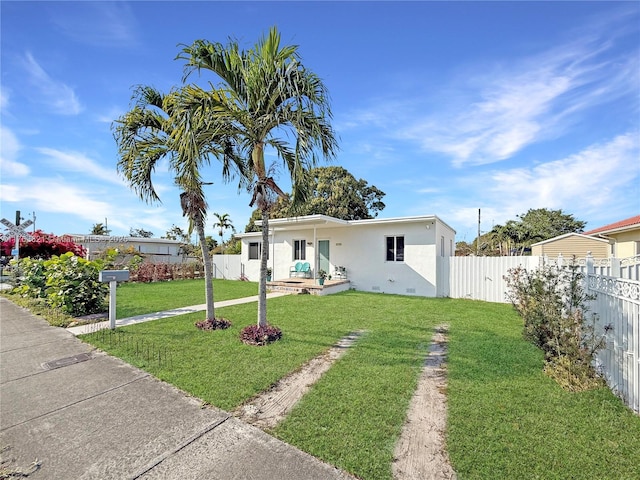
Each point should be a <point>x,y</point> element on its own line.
<point>294,271</point>
<point>305,271</point>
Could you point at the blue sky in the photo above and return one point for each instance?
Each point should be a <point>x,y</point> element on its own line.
<point>448,107</point>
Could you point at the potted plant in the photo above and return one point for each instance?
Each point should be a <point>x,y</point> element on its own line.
<point>269,271</point>
<point>322,275</point>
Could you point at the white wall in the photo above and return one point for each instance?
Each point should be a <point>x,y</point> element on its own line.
<point>361,249</point>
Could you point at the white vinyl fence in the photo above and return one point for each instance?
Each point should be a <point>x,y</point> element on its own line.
<point>227,266</point>
<point>614,282</point>
<point>480,278</point>
<point>617,304</point>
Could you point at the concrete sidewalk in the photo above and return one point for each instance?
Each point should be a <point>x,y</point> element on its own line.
<point>85,415</point>
<point>92,327</point>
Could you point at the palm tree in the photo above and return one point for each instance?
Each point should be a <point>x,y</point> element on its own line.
<point>223,223</point>
<point>265,96</point>
<point>159,127</point>
<point>99,229</point>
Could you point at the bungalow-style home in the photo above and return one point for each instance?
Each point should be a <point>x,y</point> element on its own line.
<point>393,255</point>
<point>572,244</point>
<point>157,250</point>
<point>623,236</point>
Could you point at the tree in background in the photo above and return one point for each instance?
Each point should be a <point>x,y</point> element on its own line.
<point>186,247</point>
<point>265,96</point>
<point>537,225</point>
<point>140,233</point>
<point>99,229</point>
<point>176,233</point>
<point>333,191</point>
<point>223,223</point>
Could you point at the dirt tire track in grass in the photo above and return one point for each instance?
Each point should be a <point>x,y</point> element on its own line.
<point>420,452</point>
<point>271,407</point>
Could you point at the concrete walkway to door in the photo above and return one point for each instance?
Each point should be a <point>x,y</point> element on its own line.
<point>93,327</point>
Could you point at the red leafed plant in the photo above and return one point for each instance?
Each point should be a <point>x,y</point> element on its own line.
<point>213,324</point>
<point>43,246</point>
<point>255,335</point>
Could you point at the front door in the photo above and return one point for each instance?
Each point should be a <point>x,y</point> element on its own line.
<point>323,256</point>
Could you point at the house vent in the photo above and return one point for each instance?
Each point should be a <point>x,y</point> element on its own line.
<point>376,289</point>
<point>411,290</point>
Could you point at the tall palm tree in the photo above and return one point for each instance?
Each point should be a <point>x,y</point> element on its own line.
<point>223,223</point>
<point>157,127</point>
<point>264,97</point>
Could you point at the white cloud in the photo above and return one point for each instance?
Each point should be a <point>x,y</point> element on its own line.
<point>77,162</point>
<point>98,23</point>
<point>592,178</point>
<point>57,95</point>
<point>492,112</point>
<point>9,148</point>
<point>590,184</point>
<point>4,98</point>
<point>55,196</point>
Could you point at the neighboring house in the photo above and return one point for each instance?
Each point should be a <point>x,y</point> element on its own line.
<point>620,240</point>
<point>394,255</point>
<point>157,250</point>
<point>571,244</point>
<point>623,236</point>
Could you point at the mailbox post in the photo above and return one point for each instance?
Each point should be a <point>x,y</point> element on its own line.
<point>113,277</point>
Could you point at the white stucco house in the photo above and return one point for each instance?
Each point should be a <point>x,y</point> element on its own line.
<point>393,255</point>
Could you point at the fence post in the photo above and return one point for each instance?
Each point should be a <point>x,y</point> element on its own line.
<point>560,260</point>
<point>615,267</point>
<point>590,267</point>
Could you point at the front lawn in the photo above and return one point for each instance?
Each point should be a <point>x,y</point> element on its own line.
<point>139,298</point>
<point>506,419</point>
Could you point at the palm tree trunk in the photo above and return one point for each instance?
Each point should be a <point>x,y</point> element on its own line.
<point>262,289</point>
<point>208,274</point>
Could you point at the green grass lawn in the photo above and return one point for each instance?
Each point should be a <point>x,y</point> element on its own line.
<point>139,298</point>
<point>506,419</point>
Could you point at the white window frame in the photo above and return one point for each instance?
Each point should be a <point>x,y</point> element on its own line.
<point>398,257</point>
<point>299,246</point>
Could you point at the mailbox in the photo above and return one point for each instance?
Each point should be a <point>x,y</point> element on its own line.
<point>113,275</point>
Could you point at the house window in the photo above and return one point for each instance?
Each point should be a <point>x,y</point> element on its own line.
<point>299,250</point>
<point>255,248</point>
<point>395,249</point>
<point>442,246</point>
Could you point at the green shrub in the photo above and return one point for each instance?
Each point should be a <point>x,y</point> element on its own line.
<point>73,286</point>
<point>28,278</point>
<point>68,283</point>
<point>553,305</point>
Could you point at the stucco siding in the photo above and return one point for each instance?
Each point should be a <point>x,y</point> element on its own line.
<point>362,249</point>
<point>626,243</point>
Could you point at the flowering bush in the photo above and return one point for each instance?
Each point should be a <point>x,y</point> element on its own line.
<point>42,246</point>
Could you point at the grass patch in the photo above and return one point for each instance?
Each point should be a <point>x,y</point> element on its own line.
<point>140,298</point>
<point>38,306</point>
<point>506,418</point>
